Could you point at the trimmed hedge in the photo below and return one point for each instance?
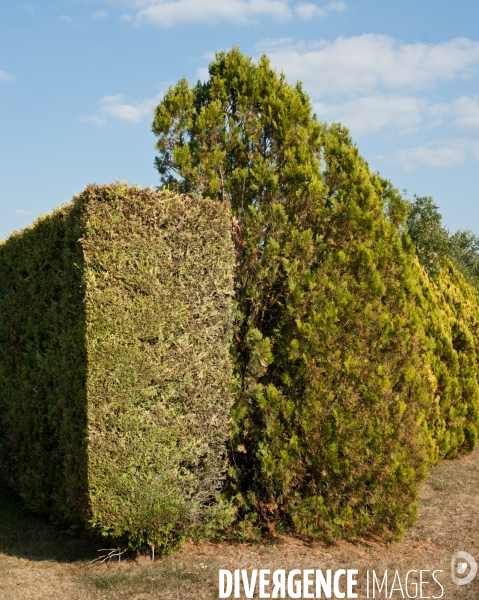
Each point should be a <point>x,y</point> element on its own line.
<point>115,327</point>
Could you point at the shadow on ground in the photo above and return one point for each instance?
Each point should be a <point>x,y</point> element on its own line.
<point>26,535</point>
<point>38,562</point>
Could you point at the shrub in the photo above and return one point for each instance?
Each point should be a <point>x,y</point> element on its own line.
<point>115,326</point>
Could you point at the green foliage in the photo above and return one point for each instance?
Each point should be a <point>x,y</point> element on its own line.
<point>448,304</point>
<point>464,253</point>
<point>330,382</point>
<point>340,449</point>
<point>449,311</point>
<point>115,326</point>
<point>42,364</point>
<point>435,245</point>
<point>427,234</point>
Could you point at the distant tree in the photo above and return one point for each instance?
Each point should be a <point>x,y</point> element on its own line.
<point>430,238</point>
<point>464,253</point>
<point>434,244</point>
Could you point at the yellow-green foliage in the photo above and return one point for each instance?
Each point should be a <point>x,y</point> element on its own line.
<point>348,382</point>
<point>449,311</point>
<point>115,326</point>
<point>331,383</point>
<point>329,435</point>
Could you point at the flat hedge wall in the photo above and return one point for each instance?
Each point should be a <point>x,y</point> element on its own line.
<point>115,327</point>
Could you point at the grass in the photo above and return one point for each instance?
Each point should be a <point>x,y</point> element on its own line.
<point>39,562</point>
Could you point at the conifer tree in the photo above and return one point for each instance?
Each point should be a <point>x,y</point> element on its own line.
<point>463,250</point>
<point>330,381</point>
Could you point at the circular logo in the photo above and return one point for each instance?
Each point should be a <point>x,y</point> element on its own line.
<point>459,566</point>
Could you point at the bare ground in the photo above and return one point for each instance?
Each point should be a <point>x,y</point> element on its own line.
<point>36,562</point>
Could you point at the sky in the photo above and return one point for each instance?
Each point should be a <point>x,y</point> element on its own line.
<point>79,80</point>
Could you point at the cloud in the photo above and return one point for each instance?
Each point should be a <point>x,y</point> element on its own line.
<point>4,76</point>
<point>310,11</point>
<point>65,19</point>
<point>28,8</point>
<point>115,107</point>
<point>202,73</point>
<point>23,213</point>
<point>436,154</point>
<point>167,13</point>
<point>366,63</point>
<point>474,148</point>
<point>404,113</point>
<point>98,15</point>
<point>443,156</point>
<point>372,113</point>
<point>463,111</point>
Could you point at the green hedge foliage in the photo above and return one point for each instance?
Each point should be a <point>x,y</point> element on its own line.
<point>115,327</point>
<point>329,438</point>
<point>449,312</point>
<point>348,381</point>
<point>331,382</point>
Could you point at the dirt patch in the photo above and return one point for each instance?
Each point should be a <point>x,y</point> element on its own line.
<point>36,562</point>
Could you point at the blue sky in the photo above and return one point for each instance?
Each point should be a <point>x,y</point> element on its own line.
<point>79,80</point>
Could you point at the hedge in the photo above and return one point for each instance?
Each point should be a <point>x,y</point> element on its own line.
<point>332,385</point>
<point>329,441</point>
<point>449,312</point>
<point>115,327</point>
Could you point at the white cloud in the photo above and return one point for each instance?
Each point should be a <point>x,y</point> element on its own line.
<point>464,112</point>
<point>115,107</point>
<point>209,56</point>
<point>309,11</point>
<point>99,15</point>
<point>202,73</point>
<point>28,8</point>
<point>365,63</point>
<point>436,154</point>
<point>443,156</point>
<point>4,76</point>
<point>65,19</point>
<point>167,13</point>
<point>474,148</point>
<point>23,213</point>
<point>371,113</point>
<point>405,113</point>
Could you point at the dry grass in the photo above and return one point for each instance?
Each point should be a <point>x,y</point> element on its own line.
<point>36,562</point>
